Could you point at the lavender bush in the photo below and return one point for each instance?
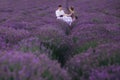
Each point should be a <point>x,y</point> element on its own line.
<point>80,65</point>
<point>11,35</point>
<point>18,66</point>
<point>87,36</point>
<point>19,25</point>
<point>2,43</point>
<point>55,39</point>
<point>33,45</point>
<point>106,73</point>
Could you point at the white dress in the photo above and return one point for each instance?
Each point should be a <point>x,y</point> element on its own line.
<point>65,18</point>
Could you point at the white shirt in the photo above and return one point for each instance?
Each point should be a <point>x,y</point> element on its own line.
<point>59,13</point>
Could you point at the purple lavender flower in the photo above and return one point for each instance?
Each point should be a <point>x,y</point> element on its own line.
<point>19,66</point>
<point>106,73</point>
<point>80,65</point>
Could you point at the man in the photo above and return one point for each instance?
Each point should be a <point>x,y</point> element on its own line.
<point>59,12</point>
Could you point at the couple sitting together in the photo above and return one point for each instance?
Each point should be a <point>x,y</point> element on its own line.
<point>68,18</point>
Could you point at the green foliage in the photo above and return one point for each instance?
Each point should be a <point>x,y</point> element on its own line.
<point>86,46</point>
<point>58,52</point>
<point>11,78</point>
<point>109,60</point>
<point>2,78</point>
<point>105,12</point>
<point>3,20</point>
<point>47,74</point>
<point>119,24</point>
<point>29,49</point>
<point>43,14</point>
<point>75,39</point>
<point>96,20</point>
<point>14,66</point>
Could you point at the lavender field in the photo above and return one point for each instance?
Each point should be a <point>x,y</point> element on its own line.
<point>34,45</point>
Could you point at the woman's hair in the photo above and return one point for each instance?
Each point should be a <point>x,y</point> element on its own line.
<point>72,8</point>
<point>76,17</point>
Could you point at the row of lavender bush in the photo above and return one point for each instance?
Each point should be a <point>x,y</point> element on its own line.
<point>15,65</point>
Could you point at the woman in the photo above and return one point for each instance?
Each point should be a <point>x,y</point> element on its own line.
<point>72,13</point>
